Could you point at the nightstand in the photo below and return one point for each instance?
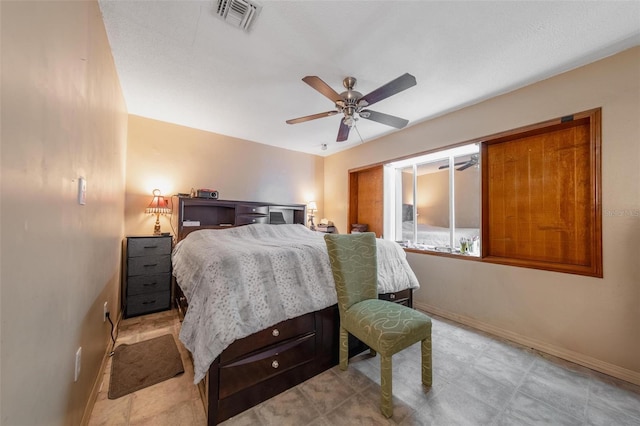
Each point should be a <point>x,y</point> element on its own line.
<point>146,283</point>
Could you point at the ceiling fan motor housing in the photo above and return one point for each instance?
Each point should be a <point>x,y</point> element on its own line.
<point>349,107</point>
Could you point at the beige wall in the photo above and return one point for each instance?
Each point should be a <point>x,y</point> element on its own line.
<point>433,198</point>
<point>63,117</point>
<point>175,159</point>
<point>589,320</point>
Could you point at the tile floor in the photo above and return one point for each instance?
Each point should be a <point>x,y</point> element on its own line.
<point>478,380</point>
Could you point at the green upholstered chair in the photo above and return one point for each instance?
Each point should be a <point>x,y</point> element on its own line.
<point>386,327</point>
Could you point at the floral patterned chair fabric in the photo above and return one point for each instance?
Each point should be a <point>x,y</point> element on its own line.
<point>386,327</point>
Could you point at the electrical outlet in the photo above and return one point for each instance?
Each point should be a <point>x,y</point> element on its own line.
<point>105,311</point>
<point>78,362</point>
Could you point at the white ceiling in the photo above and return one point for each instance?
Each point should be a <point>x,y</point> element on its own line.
<point>180,63</point>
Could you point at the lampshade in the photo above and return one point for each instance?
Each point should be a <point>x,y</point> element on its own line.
<point>312,206</point>
<point>158,206</point>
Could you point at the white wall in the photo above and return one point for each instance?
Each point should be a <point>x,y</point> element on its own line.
<point>63,116</point>
<point>589,320</point>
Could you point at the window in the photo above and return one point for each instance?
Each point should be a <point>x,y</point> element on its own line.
<point>434,201</point>
<point>527,197</point>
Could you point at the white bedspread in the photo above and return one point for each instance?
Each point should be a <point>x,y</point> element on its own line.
<point>436,236</point>
<point>242,280</point>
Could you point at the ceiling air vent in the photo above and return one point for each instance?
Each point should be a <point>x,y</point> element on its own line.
<point>239,13</point>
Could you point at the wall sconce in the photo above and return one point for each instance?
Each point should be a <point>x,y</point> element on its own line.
<point>158,206</point>
<point>312,207</point>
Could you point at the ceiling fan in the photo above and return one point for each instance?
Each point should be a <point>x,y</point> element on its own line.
<point>352,104</point>
<point>472,161</point>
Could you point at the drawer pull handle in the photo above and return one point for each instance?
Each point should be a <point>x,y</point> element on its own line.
<point>150,247</point>
<point>275,364</point>
<point>150,264</point>
<point>149,284</point>
<point>149,302</point>
<point>392,296</point>
<point>275,332</point>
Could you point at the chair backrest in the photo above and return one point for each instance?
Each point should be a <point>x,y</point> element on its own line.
<point>355,267</point>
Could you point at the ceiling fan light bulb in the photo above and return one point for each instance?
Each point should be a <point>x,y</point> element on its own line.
<point>349,121</point>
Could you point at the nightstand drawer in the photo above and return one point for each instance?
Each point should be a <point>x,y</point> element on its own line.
<point>148,246</point>
<point>141,284</point>
<point>148,302</point>
<point>148,265</point>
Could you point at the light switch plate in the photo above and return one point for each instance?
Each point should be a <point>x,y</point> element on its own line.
<point>82,191</point>
<point>78,364</point>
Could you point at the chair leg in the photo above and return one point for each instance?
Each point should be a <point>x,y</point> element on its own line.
<point>344,348</point>
<point>427,379</point>
<point>386,385</point>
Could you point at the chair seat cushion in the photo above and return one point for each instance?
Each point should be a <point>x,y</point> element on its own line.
<point>386,327</point>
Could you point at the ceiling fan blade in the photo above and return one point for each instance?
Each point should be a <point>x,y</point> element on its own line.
<point>389,120</point>
<point>391,88</point>
<point>311,117</point>
<point>322,87</point>
<point>466,166</point>
<point>446,166</point>
<point>343,132</point>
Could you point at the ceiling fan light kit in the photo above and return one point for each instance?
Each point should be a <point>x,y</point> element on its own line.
<point>351,103</point>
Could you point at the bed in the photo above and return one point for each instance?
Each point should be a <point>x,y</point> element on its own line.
<point>262,313</point>
<point>436,236</point>
<point>431,236</point>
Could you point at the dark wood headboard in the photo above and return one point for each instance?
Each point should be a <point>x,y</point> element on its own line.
<point>201,213</point>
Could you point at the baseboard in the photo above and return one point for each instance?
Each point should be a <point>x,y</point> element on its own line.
<point>578,358</point>
<point>95,389</point>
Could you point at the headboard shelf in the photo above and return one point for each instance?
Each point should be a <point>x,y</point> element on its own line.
<point>200,213</point>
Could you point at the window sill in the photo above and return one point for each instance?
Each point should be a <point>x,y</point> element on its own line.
<point>442,252</point>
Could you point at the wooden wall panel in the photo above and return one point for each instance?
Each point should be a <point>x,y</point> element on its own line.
<point>542,199</point>
<point>366,198</point>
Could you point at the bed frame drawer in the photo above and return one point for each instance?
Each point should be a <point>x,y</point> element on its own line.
<point>275,334</point>
<point>403,297</point>
<point>263,365</point>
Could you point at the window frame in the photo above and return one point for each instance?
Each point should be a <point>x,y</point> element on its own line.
<point>392,168</point>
